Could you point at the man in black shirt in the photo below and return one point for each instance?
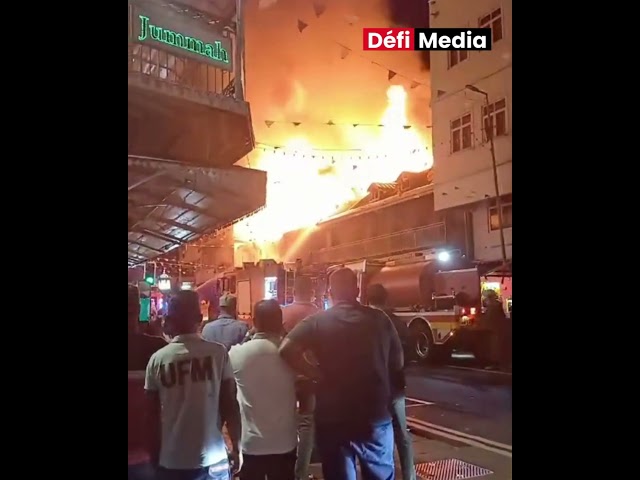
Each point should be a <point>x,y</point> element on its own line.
<point>357,350</point>
<point>377,297</point>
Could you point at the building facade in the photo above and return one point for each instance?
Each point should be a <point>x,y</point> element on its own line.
<point>463,171</point>
<point>186,82</point>
<point>394,218</point>
<point>188,123</point>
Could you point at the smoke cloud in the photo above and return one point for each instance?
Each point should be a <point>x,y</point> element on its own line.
<point>294,76</point>
<point>413,14</point>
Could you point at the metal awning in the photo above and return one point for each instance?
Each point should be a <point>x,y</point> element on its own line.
<point>171,203</point>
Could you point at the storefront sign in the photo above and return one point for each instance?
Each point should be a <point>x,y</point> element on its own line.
<point>164,282</point>
<point>180,35</point>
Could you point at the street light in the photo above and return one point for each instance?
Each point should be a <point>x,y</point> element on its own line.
<point>489,131</point>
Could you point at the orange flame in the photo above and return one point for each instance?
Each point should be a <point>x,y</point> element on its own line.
<point>305,185</point>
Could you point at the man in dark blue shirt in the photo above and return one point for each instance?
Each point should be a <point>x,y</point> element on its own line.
<point>226,329</point>
<point>358,352</point>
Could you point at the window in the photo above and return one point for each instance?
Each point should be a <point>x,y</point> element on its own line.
<point>497,112</point>
<point>494,221</point>
<point>461,133</point>
<point>457,56</point>
<point>494,22</point>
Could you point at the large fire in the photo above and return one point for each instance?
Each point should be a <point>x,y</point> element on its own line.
<point>306,184</point>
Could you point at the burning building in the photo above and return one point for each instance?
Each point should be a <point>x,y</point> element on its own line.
<point>327,125</point>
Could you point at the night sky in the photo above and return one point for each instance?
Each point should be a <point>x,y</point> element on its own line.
<point>413,14</point>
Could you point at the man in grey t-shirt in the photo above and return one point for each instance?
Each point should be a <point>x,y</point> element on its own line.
<point>190,387</point>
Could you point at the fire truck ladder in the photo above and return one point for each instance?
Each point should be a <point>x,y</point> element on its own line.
<point>289,282</point>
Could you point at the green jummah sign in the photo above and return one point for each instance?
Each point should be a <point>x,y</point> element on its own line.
<point>180,35</point>
<point>178,40</point>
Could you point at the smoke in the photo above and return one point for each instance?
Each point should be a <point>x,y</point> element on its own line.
<point>294,76</point>
<point>413,14</point>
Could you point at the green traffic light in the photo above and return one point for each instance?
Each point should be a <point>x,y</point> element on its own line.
<point>149,280</point>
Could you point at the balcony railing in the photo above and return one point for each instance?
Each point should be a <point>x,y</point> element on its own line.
<point>419,238</point>
<point>184,72</point>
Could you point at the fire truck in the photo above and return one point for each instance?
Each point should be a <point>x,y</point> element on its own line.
<point>266,279</point>
<point>434,292</point>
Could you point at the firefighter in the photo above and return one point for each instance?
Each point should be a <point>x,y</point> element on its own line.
<point>495,322</point>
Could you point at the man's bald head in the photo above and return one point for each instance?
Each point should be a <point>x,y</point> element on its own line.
<point>343,285</point>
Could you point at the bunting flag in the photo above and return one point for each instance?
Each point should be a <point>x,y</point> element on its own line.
<point>302,25</point>
<point>319,7</point>
<point>344,52</point>
<point>331,123</point>
<point>332,155</point>
<point>357,153</point>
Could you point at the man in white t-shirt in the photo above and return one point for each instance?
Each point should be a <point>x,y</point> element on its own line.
<point>267,397</point>
<point>191,389</point>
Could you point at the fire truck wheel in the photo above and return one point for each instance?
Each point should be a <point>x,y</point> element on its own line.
<point>422,340</point>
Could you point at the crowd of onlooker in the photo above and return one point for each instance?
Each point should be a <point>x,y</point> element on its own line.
<point>300,380</point>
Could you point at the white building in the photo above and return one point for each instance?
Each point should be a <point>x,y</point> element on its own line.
<point>463,173</point>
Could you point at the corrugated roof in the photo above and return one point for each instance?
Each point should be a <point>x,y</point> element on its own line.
<point>171,203</point>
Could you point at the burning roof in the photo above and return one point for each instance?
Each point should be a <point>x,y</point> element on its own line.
<point>406,182</point>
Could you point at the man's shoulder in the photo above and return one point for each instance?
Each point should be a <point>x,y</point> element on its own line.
<point>383,315</point>
<point>162,353</point>
<point>241,349</point>
<point>156,342</point>
<point>241,324</point>
<point>210,325</point>
<point>213,346</point>
<point>256,346</point>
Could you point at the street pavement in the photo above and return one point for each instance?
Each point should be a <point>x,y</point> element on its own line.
<point>460,417</point>
<point>468,402</point>
<point>440,460</point>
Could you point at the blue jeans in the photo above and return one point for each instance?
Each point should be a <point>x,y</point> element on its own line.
<point>402,438</point>
<point>142,471</point>
<point>306,433</point>
<point>372,446</point>
<point>306,442</point>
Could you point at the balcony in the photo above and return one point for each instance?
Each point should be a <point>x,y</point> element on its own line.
<point>395,243</point>
<point>186,98</point>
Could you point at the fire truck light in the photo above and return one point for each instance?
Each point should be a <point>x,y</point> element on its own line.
<point>444,256</point>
